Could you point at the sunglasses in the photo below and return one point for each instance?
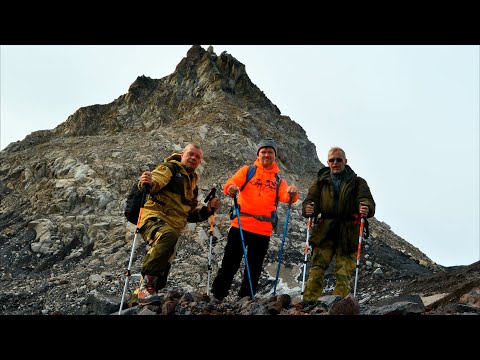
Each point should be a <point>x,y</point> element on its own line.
<point>332,160</point>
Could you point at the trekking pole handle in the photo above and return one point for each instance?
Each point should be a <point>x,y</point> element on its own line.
<point>363,205</point>
<point>210,195</point>
<point>290,200</point>
<point>146,191</point>
<point>235,203</point>
<point>312,204</point>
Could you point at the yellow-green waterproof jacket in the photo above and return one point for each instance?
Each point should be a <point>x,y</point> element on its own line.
<point>173,195</point>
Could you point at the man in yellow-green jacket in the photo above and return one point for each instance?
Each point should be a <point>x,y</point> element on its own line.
<point>171,204</point>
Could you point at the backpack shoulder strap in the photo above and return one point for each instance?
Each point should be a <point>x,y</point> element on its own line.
<point>279,180</point>
<point>172,166</point>
<point>250,173</point>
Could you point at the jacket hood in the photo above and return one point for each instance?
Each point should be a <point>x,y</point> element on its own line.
<point>175,156</point>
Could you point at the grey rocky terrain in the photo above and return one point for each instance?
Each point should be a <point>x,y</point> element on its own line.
<point>65,243</point>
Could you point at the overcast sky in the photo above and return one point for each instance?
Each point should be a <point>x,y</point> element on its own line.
<point>406,116</point>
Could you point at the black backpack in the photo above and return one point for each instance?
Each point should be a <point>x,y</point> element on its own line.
<point>136,197</point>
<point>135,200</point>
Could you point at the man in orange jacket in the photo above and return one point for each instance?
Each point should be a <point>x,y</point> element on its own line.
<point>257,203</point>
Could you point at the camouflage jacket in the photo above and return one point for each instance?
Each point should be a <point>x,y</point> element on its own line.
<point>339,216</point>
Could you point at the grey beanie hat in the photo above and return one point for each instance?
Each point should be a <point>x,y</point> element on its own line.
<point>267,143</point>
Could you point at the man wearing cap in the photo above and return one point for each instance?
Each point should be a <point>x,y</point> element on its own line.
<point>257,203</point>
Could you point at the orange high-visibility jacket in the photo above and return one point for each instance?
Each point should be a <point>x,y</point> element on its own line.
<point>258,197</point>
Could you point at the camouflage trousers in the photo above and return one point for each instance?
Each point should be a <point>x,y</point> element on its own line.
<point>163,241</point>
<point>322,255</point>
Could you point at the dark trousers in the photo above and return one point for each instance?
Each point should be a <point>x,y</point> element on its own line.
<point>257,246</point>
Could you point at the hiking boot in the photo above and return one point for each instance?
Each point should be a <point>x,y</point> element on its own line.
<point>147,293</point>
<point>133,301</point>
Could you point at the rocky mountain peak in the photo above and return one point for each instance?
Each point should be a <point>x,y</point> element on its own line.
<point>63,192</point>
<point>140,88</point>
<point>200,79</point>
<point>206,74</point>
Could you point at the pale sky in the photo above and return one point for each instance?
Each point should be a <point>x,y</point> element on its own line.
<point>406,116</point>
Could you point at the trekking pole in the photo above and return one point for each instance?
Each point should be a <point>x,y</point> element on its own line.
<point>237,210</point>
<point>309,225</point>
<point>358,254</point>
<point>283,241</point>
<point>211,219</point>
<point>146,190</point>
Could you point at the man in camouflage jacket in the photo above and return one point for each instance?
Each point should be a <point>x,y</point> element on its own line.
<point>340,198</point>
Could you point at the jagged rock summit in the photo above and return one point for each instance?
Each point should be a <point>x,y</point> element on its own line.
<point>65,243</point>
